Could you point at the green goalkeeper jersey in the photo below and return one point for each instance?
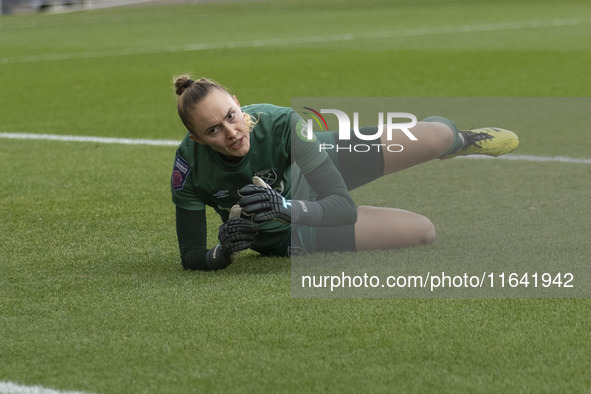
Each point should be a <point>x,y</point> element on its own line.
<point>201,177</point>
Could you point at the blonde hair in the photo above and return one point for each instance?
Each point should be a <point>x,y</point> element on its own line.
<point>191,92</point>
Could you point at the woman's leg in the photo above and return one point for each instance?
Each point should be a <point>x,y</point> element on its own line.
<point>437,137</point>
<point>433,141</point>
<point>390,228</point>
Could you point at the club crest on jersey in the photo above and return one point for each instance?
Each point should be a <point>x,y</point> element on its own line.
<point>268,175</point>
<point>180,173</point>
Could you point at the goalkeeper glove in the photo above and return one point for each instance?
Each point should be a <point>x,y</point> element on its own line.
<point>264,204</point>
<point>234,235</point>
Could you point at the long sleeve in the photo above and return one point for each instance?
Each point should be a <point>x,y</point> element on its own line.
<point>334,205</point>
<point>191,232</point>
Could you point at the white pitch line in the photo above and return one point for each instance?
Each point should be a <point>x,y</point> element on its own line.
<point>137,141</point>
<point>555,159</point>
<point>290,41</point>
<point>79,138</point>
<point>14,388</point>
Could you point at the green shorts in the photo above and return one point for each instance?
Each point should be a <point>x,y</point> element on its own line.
<point>357,169</point>
<point>306,239</point>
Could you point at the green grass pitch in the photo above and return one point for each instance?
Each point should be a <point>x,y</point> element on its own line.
<point>92,294</point>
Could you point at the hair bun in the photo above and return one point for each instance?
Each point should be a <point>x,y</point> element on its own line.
<point>181,83</point>
<point>188,83</point>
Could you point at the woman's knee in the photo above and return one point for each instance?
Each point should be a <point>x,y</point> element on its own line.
<point>425,231</point>
<point>391,228</point>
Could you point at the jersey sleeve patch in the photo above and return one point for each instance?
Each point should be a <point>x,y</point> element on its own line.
<point>180,173</point>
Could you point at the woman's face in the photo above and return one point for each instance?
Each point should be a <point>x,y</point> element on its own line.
<point>219,123</point>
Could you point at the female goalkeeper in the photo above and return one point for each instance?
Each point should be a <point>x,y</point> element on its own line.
<point>304,204</point>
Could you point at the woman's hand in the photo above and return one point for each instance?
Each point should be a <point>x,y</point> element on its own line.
<point>264,204</point>
<point>235,235</point>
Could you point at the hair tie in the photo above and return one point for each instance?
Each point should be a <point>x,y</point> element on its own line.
<point>187,83</point>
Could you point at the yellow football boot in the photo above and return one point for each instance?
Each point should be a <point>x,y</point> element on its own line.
<point>491,141</point>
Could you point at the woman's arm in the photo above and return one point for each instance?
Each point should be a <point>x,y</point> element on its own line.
<point>234,235</point>
<point>191,231</point>
<point>333,206</point>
